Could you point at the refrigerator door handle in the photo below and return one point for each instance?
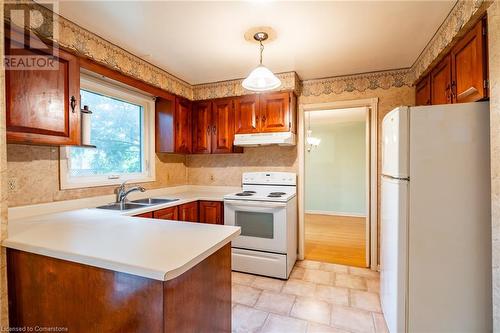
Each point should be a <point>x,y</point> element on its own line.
<point>396,178</point>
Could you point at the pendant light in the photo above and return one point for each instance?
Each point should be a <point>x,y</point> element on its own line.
<point>311,141</point>
<point>261,78</point>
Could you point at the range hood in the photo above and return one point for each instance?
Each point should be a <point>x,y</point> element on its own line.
<point>264,139</point>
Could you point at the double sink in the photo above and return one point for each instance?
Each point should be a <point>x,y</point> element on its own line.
<point>134,204</point>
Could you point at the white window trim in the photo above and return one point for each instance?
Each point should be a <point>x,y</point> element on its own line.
<point>119,92</point>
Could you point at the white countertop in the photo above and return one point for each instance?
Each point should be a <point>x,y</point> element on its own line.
<point>160,250</point>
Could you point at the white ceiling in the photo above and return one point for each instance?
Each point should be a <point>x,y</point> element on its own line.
<point>203,42</point>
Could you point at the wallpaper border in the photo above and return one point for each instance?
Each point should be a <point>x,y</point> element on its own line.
<point>85,43</point>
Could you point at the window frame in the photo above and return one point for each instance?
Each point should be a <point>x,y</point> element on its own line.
<point>116,90</point>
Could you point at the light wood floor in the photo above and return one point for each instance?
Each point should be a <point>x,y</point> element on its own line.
<point>335,239</point>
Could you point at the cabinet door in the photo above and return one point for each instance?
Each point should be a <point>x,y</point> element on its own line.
<point>169,213</point>
<point>188,212</point>
<point>148,215</point>
<point>223,126</point>
<point>182,125</point>
<point>441,82</point>
<point>211,212</point>
<point>202,127</point>
<point>423,91</point>
<point>469,66</point>
<point>164,125</point>
<point>246,114</point>
<point>42,105</point>
<point>275,112</point>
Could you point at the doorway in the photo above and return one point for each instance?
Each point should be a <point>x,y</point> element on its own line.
<point>337,178</point>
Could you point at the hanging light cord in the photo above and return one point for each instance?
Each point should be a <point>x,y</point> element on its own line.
<point>261,50</point>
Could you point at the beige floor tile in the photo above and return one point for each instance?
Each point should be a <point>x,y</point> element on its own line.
<point>317,276</point>
<point>373,285</point>
<point>318,328</point>
<point>312,310</point>
<point>275,302</point>
<point>266,283</point>
<point>325,266</point>
<point>245,295</point>
<point>247,320</point>
<point>379,321</point>
<point>280,324</point>
<point>299,288</point>
<point>351,319</point>
<point>297,273</point>
<point>334,295</point>
<point>365,300</point>
<point>350,281</point>
<point>364,272</point>
<point>242,278</point>
<point>308,264</point>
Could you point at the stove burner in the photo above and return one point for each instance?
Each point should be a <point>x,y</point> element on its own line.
<point>244,194</point>
<point>252,192</point>
<point>277,193</point>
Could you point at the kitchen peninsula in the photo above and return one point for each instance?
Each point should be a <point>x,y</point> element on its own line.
<point>92,270</point>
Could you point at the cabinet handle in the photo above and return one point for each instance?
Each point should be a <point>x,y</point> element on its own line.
<point>72,103</point>
<point>214,129</point>
<point>263,119</point>
<point>208,130</point>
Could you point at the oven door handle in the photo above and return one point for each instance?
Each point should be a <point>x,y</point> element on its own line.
<point>263,204</point>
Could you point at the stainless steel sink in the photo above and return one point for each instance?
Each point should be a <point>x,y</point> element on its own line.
<point>152,201</point>
<point>122,206</point>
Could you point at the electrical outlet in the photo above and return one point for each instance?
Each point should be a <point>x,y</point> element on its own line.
<point>12,184</point>
<point>212,178</point>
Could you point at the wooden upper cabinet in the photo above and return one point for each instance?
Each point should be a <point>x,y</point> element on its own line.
<point>202,127</point>
<point>182,122</point>
<point>423,91</point>
<point>222,125</point>
<point>275,112</point>
<point>211,212</point>
<point>469,73</point>
<point>246,114</point>
<point>170,213</point>
<point>164,125</point>
<point>42,105</point>
<point>440,78</point>
<point>188,212</point>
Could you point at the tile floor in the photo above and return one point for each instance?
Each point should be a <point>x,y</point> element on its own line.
<point>318,297</point>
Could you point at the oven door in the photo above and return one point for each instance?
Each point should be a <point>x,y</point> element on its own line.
<point>262,223</point>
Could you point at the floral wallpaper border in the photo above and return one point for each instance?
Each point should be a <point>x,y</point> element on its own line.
<point>289,81</point>
<point>357,82</point>
<point>463,12</point>
<point>88,44</point>
<point>85,43</point>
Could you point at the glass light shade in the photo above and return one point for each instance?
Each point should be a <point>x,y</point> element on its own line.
<point>261,79</point>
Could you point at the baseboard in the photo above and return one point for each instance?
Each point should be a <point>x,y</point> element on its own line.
<point>327,212</point>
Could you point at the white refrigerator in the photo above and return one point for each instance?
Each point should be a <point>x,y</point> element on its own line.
<point>436,219</point>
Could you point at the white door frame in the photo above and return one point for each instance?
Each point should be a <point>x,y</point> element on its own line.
<point>372,218</point>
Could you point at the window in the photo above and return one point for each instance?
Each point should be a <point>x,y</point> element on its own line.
<point>122,130</point>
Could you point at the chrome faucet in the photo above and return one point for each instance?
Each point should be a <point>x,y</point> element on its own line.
<point>122,192</point>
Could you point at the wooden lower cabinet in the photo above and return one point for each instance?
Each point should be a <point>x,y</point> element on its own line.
<point>48,292</point>
<point>148,215</point>
<point>170,213</point>
<point>211,212</point>
<point>188,212</point>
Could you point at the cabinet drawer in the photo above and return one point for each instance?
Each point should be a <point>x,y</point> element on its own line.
<point>170,213</point>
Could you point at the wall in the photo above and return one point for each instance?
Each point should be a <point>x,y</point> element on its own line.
<point>335,176</point>
<point>35,170</point>
<point>227,169</point>
<point>494,67</point>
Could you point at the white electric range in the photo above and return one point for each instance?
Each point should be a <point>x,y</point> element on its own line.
<point>266,211</point>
